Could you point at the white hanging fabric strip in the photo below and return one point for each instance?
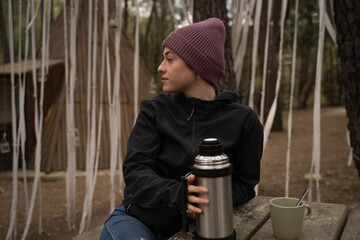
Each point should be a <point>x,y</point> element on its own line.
<point>112,109</point>
<point>47,55</point>
<point>293,69</point>
<point>239,59</point>
<point>92,182</point>
<point>88,80</point>
<point>69,210</point>
<point>266,54</point>
<point>100,117</point>
<point>183,5</point>
<point>118,119</point>
<point>89,131</point>
<point>33,14</point>
<point>136,63</point>
<point>350,157</point>
<point>191,6</point>
<point>316,153</point>
<point>12,229</point>
<point>40,230</point>
<point>34,79</point>
<point>330,28</point>
<point>272,112</point>
<point>115,110</point>
<point>91,148</point>
<point>171,6</point>
<point>238,12</point>
<point>70,112</point>
<point>22,128</point>
<point>38,122</point>
<point>44,69</point>
<point>254,51</point>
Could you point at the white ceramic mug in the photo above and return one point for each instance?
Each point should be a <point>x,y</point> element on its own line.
<point>287,218</point>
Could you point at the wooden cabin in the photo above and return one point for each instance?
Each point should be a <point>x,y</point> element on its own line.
<point>52,85</point>
<point>54,151</point>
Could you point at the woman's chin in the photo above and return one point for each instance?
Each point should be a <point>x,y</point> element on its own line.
<point>168,90</point>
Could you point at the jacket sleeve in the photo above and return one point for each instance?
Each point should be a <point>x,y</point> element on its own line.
<point>246,173</point>
<point>149,197</point>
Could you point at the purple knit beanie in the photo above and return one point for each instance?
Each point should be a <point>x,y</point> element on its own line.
<point>201,46</point>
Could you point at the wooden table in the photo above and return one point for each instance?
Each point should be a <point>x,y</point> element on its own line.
<point>327,221</point>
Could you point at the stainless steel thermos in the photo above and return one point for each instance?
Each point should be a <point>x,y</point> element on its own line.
<point>213,170</point>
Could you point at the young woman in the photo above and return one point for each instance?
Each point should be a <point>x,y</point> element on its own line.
<point>163,143</point>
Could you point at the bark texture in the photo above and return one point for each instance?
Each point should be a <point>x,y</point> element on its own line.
<point>204,9</point>
<point>347,19</point>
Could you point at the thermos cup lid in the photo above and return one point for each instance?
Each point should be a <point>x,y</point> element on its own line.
<point>211,161</point>
<point>210,147</point>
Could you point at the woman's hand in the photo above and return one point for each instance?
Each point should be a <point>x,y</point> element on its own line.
<point>193,199</point>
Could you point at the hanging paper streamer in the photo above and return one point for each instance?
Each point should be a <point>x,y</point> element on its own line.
<point>316,153</point>
<point>239,58</point>
<point>254,52</point>
<point>271,116</point>
<point>238,10</point>
<point>293,68</point>
<point>266,53</point>
<point>350,157</point>
<point>92,136</point>
<point>12,225</point>
<point>38,119</point>
<point>70,76</point>
<point>136,62</point>
<point>185,12</point>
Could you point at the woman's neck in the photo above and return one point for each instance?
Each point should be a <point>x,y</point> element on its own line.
<point>203,90</point>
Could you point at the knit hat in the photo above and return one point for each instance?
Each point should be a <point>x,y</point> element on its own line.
<point>201,46</point>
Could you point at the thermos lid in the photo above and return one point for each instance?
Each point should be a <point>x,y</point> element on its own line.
<point>210,147</point>
<point>211,161</point>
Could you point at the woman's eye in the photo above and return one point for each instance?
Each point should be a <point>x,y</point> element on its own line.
<point>168,59</point>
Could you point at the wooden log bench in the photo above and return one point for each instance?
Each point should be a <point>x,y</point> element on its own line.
<point>352,227</point>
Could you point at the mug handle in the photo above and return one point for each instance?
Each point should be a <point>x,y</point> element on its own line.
<point>308,213</point>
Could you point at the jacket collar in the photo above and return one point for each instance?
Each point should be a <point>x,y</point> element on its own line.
<point>189,104</point>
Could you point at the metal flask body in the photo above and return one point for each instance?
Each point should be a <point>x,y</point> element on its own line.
<point>213,170</point>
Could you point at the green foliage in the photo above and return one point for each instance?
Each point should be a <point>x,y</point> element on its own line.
<point>150,43</point>
<point>307,39</point>
<point>19,9</point>
<point>155,27</point>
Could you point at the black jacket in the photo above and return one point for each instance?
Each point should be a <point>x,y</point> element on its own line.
<point>163,145</point>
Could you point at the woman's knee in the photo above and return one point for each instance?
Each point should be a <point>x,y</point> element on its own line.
<point>122,226</point>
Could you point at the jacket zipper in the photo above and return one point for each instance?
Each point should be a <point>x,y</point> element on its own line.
<point>191,114</point>
<point>192,117</point>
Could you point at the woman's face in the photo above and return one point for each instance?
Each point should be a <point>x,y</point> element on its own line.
<point>177,76</point>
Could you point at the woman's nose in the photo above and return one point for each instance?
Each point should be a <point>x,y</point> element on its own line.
<point>161,68</point>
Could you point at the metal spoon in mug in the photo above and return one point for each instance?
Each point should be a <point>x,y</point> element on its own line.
<point>264,220</point>
<point>302,197</point>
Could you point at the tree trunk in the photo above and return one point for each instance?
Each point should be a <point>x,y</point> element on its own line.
<point>4,40</point>
<point>262,35</point>
<point>147,32</point>
<point>306,77</point>
<point>272,67</point>
<point>307,36</point>
<point>204,9</point>
<point>307,83</point>
<point>126,15</point>
<point>348,26</point>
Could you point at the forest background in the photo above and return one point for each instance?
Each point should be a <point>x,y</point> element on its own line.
<point>156,21</point>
